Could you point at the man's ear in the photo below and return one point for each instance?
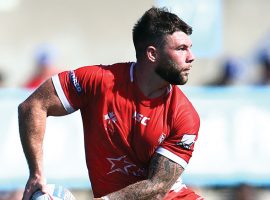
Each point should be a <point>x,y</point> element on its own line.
<point>151,53</point>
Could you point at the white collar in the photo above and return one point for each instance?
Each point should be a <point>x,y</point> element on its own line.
<point>131,72</point>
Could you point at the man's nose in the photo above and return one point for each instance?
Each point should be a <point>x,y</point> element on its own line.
<point>191,57</point>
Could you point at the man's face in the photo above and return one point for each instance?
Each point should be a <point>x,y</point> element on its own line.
<point>174,60</point>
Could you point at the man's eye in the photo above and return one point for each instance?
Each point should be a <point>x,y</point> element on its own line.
<point>182,48</point>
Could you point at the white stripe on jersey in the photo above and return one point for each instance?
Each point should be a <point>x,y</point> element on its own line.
<point>172,156</point>
<point>61,94</point>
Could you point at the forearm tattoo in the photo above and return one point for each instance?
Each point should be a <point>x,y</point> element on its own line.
<point>163,173</point>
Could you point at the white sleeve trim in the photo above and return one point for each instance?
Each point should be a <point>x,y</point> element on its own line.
<point>61,94</point>
<point>172,156</point>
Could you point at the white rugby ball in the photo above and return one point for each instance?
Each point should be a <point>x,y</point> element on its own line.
<point>58,192</point>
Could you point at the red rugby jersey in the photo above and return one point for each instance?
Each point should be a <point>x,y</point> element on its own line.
<point>122,127</point>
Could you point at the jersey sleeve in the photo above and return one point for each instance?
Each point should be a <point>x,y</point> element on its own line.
<point>179,145</point>
<point>75,88</point>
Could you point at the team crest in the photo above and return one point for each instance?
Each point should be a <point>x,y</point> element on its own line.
<point>161,138</point>
<point>111,117</point>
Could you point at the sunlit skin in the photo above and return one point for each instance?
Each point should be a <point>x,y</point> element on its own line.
<point>168,64</point>
<point>175,59</point>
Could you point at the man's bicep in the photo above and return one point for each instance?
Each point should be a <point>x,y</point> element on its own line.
<point>47,99</point>
<point>163,170</point>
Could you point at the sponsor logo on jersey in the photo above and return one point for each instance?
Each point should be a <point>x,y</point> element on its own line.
<point>141,118</point>
<point>187,141</point>
<point>74,81</point>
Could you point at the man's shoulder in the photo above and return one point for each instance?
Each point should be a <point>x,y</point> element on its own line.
<point>117,71</point>
<point>183,107</point>
<point>179,94</point>
<point>109,67</point>
<point>181,100</point>
<point>117,67</point>
<point>103,71</point>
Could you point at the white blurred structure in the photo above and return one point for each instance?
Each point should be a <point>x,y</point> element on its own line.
<point>94,32</point>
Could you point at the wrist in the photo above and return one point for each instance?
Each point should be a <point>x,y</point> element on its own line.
<point>36,174</point>
<point>39,177</point>
<point>36,170</point>
<point>105,198</point>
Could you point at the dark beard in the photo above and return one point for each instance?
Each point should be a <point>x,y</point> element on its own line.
<point>169,72</point>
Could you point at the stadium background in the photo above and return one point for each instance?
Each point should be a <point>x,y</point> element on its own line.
<point>231,159</point>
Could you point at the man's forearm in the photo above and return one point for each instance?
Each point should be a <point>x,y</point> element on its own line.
<point>140,190</point>
<point>163,173</point>
<point>32,127</point>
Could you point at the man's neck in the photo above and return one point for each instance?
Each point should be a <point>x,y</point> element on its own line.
<point>149,82</point>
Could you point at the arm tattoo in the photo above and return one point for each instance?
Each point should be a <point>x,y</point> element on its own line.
<point>162,174</point>
<point>164,170</point>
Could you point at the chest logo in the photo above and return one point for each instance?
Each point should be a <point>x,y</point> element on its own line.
<point>111,117</point>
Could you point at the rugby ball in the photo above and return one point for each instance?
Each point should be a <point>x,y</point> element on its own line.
<point>58,192</point>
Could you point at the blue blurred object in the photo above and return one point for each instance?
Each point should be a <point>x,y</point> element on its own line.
<point>232,68</point>
<point>264,58</point>
<point>45,55</point>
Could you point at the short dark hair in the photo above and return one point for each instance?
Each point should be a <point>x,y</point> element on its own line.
<point>153,26</point>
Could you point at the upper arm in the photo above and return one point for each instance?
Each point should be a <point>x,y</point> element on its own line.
<point>45,99</point>
<point>164,171</point>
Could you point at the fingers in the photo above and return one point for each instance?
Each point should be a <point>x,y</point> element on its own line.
<point>29,190</point>
<point>34,184</point>
<point>51,197</point>
<point>46,190</point>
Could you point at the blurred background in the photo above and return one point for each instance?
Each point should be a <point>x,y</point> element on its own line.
<point>229,86</point>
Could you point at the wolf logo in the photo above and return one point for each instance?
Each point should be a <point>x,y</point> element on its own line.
<point>187,141</point>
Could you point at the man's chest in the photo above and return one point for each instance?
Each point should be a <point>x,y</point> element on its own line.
<point>133,124</point>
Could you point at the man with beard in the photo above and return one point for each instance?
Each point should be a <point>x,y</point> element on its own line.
<point>139,127</point>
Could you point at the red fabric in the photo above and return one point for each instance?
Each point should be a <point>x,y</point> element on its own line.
<point>184,194</point>
<point>35,82</point>
<point>122,127</point>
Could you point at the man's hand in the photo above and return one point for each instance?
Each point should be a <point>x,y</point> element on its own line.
<point>35,183</point>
